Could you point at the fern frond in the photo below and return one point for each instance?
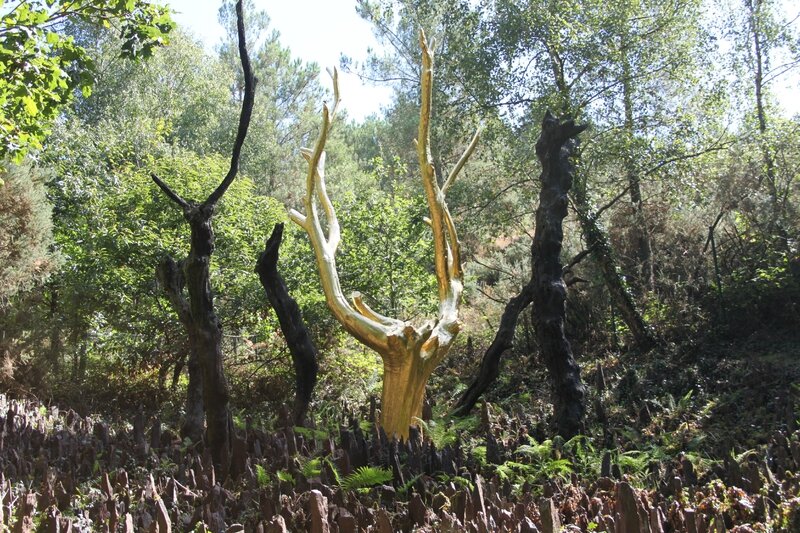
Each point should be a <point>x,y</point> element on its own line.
<point>366,476</point>
<point>410,483</point>
<point>336,474</point>
<point>311,467</point>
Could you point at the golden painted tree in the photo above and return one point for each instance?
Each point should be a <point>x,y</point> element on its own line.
<point>409,352</point>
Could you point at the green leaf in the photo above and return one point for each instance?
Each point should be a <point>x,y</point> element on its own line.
<point>367,476</point>
<point>29,105</point>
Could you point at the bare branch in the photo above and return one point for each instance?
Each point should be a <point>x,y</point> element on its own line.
<point>462,161</point>
<point>613,201</point>
<point>447,256</point>
<point>247,110</point>
<point>577,259</point>
<point>369,327</point>
<point>171,194</point>
<point>368,312</point>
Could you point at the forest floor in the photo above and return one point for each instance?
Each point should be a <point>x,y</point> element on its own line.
<point>698,437</point>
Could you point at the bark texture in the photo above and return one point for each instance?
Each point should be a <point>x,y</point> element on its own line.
<point>549,291</point>
<point>301,347</point>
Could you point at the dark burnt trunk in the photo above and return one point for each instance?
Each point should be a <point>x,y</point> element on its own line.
<point>549,290</point>
<point>490,364</point>
<point>205,334</point>
<point>170,277</point>
<point>298,339</point>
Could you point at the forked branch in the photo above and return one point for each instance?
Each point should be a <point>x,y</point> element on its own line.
<point>447,249</point>
<point>241,132</point>
<point>359,320</point>
<point>385,334</point>
<point>244,116</point>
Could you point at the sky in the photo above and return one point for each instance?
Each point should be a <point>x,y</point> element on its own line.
<point>314,30</point>
<point>322,30</point>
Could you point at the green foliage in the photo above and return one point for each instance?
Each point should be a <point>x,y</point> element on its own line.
<point>310,433</point>
<point>311,467</point>
<point>40,67</point>
<point>26,236</point>
<point>446,431</point>
<point>387,252</point>
<point>285,476</point>
<point>410,483</point>
<point>544,460</point>
<point>114,226</point>
<point>365,477</point>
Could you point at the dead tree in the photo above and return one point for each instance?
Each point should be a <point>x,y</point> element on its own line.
<point>549,290</point>
<point>409,353</point>
<point>304,353</point>
<point>205,331</point>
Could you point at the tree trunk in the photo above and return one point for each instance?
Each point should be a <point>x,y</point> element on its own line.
<point>490,364</point>
<point>775,224</point>
<point>304,353</point>
<point>596,238</point>
<point>193,423</point>
<point>621,296</point>
<point>549,290</point>
<point>403,393</point>
<point>206,335</point>
<point>170,277</point>
<point>643,245</point>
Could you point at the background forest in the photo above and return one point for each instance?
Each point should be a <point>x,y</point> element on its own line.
<point>681,265</point>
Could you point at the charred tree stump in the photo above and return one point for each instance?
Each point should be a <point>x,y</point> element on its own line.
<point>503,341</point>
<point>206,330</point>
<point>554,148</point>
<point>298,339</point>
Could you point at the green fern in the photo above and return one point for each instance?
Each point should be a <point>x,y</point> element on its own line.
<point>479,454</point>
<point>366,476</point>
<point>463,482</point>
<point>633,461</point>
<point>410,483</point>
<point>262,476</point>
<point>541,451</point>
<point>557,467</point>
<point>284,475</point>
<point>310,433</point>
<point>311,467</point>
<point>337,476</point>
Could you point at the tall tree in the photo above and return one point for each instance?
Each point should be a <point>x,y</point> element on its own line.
<point>25,258</point>
<point>767,50</point>
<point>205,325</point>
